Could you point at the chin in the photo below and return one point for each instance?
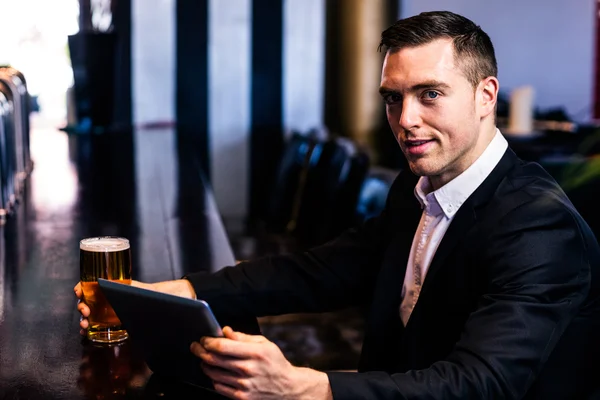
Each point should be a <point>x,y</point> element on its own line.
<point>422,170</point>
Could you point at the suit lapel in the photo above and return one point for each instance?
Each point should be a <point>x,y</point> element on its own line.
<point>392,275</point>
<point>466,217</point>
<point>462,222</point>
<point>381,346</point>
<point>382,349</point>
<point>408,213</point>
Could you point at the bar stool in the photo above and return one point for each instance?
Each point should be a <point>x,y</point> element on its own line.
<point>15,81</point>
<point>3,197</point>
<point>344,214</point>
<point>274,234</point>
<point>20,81</point>
<point>297,157</point>
<point>6,170</point>
<point>374,192</point>
<point>331,190</point>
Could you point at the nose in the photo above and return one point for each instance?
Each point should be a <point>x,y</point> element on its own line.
<point>409,116</point>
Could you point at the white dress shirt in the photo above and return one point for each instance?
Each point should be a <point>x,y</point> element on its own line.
<point>439,208</point>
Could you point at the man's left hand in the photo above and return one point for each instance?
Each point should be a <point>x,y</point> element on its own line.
<point>251,367</point>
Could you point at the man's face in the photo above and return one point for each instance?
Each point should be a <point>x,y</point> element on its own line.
<point>431,108</point>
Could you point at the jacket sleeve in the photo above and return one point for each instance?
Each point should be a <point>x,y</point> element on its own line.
<point>332,276</point>
<point>538,270</point>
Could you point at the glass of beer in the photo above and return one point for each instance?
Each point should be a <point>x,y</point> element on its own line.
<point>106,257</point>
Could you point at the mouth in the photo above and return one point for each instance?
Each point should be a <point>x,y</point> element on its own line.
<point>417,147</point>
<point>417,142</point>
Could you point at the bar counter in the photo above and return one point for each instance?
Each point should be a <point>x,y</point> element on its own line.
<point>135,185</point>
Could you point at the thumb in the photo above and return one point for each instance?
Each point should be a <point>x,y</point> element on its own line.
<point>241,337</point>
<point>142,285</point>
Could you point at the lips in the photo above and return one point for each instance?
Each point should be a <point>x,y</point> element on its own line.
<point>418,147</point>
<point>416,142</point>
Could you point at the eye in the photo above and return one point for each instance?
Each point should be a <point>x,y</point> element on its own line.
<point>392,98</point>
<point>430,95</point>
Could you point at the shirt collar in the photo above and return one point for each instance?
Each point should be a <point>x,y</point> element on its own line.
<point>425,195</point>
<point>450,197</point>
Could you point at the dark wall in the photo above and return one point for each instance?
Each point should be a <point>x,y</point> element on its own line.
<point>266,101</point>
<point>101,64</point>
<point>191,98</point>
<point>122,25</point>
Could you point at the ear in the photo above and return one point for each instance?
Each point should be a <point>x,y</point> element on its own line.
<point>487,96</point>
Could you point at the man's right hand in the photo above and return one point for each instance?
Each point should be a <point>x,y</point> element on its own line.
<point>180,287</point>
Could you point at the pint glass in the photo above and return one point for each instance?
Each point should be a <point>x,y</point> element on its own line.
<point>108,258</point>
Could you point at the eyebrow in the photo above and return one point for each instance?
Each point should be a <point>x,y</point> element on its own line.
<point>415,88</point>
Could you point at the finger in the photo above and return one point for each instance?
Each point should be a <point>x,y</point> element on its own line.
<point>228,391</point>
<point>230,348</point>
<point>197,349</point>
<point>227,331</point>
<point>84,323</point>
<point>222,376</point>
<point>242,337</point>
<point>238,366</point>
<point>207,357</point>
<point>83,309</point>
<point>140,284</point>
<point>77,290</point>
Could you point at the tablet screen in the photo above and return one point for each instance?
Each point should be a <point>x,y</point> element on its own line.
<point>163,327</point>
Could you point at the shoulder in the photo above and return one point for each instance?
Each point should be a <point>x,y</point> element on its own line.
<point>530,232</point>
<point>527,201</point>
<point>529,192</point>
<point>530,212</point>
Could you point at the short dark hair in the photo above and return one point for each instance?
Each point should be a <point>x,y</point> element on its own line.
<point>473,49</point>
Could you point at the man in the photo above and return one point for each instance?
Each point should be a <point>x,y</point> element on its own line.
<point>480,278</point>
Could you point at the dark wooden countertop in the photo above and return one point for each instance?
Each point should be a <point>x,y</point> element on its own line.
<point>131,185</point>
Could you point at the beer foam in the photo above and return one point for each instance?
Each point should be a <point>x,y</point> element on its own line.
<point>104,243</point>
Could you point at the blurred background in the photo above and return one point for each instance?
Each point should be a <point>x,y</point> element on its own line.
<point>236,81</point>
<point>138,106</point>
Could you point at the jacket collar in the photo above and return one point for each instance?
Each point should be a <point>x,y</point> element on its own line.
<point>466,217</point>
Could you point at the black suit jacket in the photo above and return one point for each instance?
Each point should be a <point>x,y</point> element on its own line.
<point>510,307</point>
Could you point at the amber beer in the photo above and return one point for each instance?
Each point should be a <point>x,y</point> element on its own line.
<point>108,258</point>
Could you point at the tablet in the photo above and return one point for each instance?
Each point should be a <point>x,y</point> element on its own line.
<point>162,327</point>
